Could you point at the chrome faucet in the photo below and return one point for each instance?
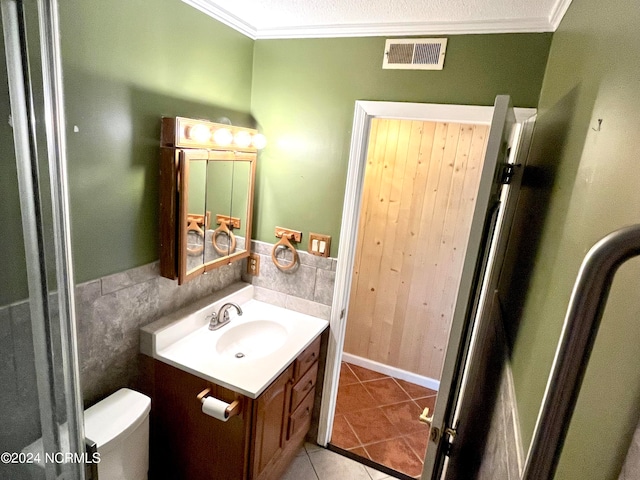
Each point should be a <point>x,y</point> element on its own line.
<point>220,319</point>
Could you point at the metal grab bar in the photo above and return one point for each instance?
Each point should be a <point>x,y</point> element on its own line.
<point>581,323</point>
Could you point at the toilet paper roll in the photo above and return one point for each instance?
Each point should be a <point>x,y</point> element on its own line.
<point>215,408</point>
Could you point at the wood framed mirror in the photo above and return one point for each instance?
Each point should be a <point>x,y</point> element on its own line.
<point>207,174</point>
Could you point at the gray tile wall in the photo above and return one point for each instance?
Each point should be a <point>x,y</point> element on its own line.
<point>19,408</point>
<point>111,310</point>
<point>307,288</point>
<point>18,394</point>
<point>501,456</point>
<point>109,314</point>
<point>631,467</point>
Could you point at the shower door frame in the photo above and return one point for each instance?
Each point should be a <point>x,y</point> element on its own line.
<point>36,93</point>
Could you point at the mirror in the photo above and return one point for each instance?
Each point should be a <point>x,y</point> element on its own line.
<point>227,201</point>
<point>197,218</point>
<point>206,196</point>
<point>220,236</point>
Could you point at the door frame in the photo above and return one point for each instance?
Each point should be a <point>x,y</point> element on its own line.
<point>364,112</point>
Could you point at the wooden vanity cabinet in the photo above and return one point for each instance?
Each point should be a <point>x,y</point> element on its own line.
<point>258,444</point>
<point>282,416</point>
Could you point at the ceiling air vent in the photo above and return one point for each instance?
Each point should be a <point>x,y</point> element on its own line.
<point>415,53</point>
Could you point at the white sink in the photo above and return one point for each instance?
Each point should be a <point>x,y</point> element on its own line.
<point>268,338</point>
<point>253,339</point>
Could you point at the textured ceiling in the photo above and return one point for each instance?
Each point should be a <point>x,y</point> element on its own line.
<point>325,18</point>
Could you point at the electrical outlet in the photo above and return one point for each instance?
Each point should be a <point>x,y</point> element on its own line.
<point>319,244</point>
<point>253,264</point>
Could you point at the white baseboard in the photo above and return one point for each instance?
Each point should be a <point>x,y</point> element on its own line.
<point>394,372</point>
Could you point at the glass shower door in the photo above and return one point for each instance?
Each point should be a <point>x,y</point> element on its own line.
<point>41,432</point>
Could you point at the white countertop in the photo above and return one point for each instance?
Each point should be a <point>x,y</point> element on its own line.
<point>184,341</point>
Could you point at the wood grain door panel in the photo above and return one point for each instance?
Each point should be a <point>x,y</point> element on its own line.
<point>419,193</point>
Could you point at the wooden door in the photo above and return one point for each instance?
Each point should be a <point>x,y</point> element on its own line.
<point>453,421</point>
<point>421,183</point>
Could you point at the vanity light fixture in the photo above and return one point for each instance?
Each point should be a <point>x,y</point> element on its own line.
<point>259,141</point>
<point>181,132</point>
<point>242,139</point>
<point>223,137</point>
<point>199,133</point>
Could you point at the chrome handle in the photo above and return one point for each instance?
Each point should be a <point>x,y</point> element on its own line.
<point>425,418</point>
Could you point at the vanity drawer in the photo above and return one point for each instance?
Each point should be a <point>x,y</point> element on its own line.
<point>303,386</point>
<point>306,359</point>
<point>300,419</point>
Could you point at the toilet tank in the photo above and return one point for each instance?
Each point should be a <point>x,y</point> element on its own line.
<point>119,425</point>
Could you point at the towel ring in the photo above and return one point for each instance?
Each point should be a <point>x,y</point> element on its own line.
<point>223,229</point>
<point>284,243</point>
<point>195,228</point>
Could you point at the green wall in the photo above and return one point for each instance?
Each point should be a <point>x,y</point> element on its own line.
<point>303,100</point>
<point>581,185</point>
<point>127,63</point>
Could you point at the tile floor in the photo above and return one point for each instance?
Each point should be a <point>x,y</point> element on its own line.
<point>377,418</point>
<point>317,463</point>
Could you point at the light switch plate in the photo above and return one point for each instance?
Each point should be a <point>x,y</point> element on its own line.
<point>315,242</point>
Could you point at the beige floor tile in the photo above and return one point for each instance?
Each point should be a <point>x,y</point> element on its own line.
<point>332,466</point>
<point>377,475</point>
<point>300,469</point>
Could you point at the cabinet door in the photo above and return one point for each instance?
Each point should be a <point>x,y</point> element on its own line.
<point>270,413</point>
<point>188,444</point>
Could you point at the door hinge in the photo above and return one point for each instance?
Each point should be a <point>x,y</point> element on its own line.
<point>446,439</point>
<point>508,171</point>
<point>450,435</point>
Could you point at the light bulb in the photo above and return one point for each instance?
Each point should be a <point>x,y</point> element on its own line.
<point>199,133</point>
<point>223,137</point>
<point>259,141</point>
<point>242,139</point>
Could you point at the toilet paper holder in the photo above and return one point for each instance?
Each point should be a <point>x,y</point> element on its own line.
<point>233,408</point>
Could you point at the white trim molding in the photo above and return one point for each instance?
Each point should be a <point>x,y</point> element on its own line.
<point>390,371</point>
<point>364,112</point>
<point>517,25</point>
<point>224,16</point>
<point>535,25</point>
<point>558,12</point>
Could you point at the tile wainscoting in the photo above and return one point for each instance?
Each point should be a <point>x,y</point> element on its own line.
<point>631,467</point>
<point>503,457</point>
<point>305,289</point>
<point>110,312</point>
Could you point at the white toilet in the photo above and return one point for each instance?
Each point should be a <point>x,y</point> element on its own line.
<point>119,425</point>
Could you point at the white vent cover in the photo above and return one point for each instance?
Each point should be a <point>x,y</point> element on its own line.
<point>415,53</point>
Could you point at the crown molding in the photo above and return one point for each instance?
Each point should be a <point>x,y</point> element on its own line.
<point>529,25</point>
<point>399,29</point>
<point>224,16</point>
<point>558,12</point>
